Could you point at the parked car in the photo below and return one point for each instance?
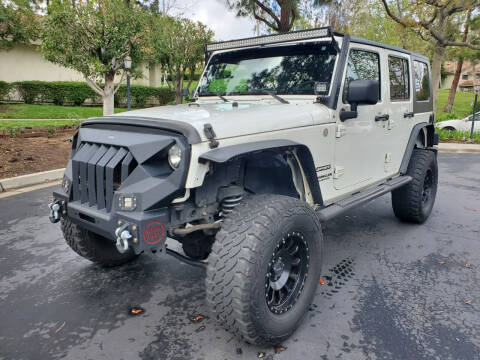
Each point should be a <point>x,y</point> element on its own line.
<point>460,125</point>
<point>285,132</point>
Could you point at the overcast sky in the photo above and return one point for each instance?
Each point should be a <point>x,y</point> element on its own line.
<point>218,17</point>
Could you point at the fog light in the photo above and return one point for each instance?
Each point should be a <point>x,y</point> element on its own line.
<point>127,202</point>
<point>174,156</point>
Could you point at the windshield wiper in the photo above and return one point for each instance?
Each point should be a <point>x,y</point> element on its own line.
<point>272,94</point>
<point>216,94</point>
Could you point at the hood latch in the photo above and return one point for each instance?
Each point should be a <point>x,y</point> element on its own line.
<point>210,135</point>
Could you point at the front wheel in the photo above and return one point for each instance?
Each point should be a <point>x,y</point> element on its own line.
<point>414,201</point>
<point>264,267</point>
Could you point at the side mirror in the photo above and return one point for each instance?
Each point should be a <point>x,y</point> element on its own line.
<point>360,92</point>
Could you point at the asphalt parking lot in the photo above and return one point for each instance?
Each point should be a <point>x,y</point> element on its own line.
<point>398,291</point>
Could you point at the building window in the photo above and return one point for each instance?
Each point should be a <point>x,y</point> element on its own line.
<point>465,77</point>
<point>399,78</point>
<point>362,65</point>
<point>422,81</point>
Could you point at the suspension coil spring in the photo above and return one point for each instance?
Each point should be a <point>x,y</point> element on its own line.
<point>229,203</point>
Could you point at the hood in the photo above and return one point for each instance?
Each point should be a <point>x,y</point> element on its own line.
<point>229,121</point>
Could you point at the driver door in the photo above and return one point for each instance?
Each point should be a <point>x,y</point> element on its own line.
<point>359,141</point>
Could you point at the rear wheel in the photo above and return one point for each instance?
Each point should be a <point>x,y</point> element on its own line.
<point>93,247</point>
<point>414,201</point>
<point>264,267</point>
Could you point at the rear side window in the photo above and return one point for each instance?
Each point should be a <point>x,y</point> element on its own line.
<point>399,78</point>
<point>422,81</point>
<point>362,65</point>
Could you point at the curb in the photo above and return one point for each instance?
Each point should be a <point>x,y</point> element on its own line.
<point>459,148</point>
<point>31,179</point>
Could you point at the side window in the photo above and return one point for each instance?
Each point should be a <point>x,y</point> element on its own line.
<point>422,81</point>
<point>399,78</point>
<point>362,65</point>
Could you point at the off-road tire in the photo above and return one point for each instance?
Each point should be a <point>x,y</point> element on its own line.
<point>94,247</point>
<point>236,279</point>
<point>409,202</point>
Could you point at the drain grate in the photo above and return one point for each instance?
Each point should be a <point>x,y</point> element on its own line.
<point>338,276</point>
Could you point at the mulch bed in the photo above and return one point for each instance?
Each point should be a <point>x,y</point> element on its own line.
<point>21,155</point>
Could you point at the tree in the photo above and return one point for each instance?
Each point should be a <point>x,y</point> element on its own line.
<point>277,15</point>
<point>179,46</point>
<point>94,37</point>
<point>458,69</point>
<point>16,23</point>
<point>432,20</point>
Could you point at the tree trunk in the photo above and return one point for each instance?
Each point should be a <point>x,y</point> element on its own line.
<point>107,98</point>
<point>438,56</point>
<point>458,70</point>
<point>453,89</point>
<point>178,88</point>
<point>285,14</point>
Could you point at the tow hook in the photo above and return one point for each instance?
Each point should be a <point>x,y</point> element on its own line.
<point>123,235</point>
<point>55,211</point>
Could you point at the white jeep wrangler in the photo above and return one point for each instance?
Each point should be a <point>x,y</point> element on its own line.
<point>284,132</point>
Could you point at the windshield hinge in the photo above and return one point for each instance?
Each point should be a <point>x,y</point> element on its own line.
<point>210,135</point>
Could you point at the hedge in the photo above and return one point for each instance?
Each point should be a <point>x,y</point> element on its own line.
<point>71,92</point>
<point>4,89</point>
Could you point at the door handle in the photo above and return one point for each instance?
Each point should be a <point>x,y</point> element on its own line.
<point>409,115</point>
<point>384,117</point>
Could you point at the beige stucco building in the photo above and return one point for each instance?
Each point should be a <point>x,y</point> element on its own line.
<point>23,63</point>
<point>469,76</point>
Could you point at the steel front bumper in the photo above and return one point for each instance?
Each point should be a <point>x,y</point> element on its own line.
<point>141,230</point>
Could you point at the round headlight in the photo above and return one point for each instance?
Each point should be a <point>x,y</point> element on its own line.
<point>174,156</point>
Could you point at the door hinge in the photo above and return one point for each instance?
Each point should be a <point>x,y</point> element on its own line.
<point>338,171</point>
<point>340,131</point>
<point>388,158</point>
<point>391,123</point>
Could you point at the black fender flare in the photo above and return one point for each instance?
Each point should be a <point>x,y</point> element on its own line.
<point>227,153</point>
<point>430,140</point>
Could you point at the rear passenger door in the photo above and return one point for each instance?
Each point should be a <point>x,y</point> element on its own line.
<point>399,104</point>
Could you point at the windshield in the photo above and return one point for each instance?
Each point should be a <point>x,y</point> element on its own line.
<point>289,70</point>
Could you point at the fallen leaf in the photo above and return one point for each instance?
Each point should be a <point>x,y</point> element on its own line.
<point>61,327</point>
<point>321,281</point>
<point>136,310</point>
<point>201,328</point>
<point>467,265</point>
<point>279,349</point>
<point>197,318</point>
<point>260,355</point>
<point>440,262</point>
<point>468,302</point>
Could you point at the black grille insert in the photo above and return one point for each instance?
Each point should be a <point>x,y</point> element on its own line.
<point>98,170</point>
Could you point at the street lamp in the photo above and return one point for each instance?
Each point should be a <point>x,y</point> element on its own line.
<point>476,89</point>
<point>128,66</point>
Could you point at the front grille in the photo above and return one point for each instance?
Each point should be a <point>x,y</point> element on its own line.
<point>98,170</point>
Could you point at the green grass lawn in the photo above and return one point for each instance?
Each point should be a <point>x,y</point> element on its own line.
<point>41,124</point>
<point>30,111</point>
<point>461,106</point>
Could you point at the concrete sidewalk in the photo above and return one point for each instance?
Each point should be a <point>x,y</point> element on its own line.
<point>459,148</point>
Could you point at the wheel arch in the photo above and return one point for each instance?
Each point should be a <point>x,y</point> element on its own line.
<point>300,152</point>
<point>423,136</point>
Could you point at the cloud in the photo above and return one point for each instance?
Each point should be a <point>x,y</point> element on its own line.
<point>223,21</point>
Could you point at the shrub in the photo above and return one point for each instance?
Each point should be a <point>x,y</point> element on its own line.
<point>4,89</point>
<point>165,96</point>
<point>30,91</point>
